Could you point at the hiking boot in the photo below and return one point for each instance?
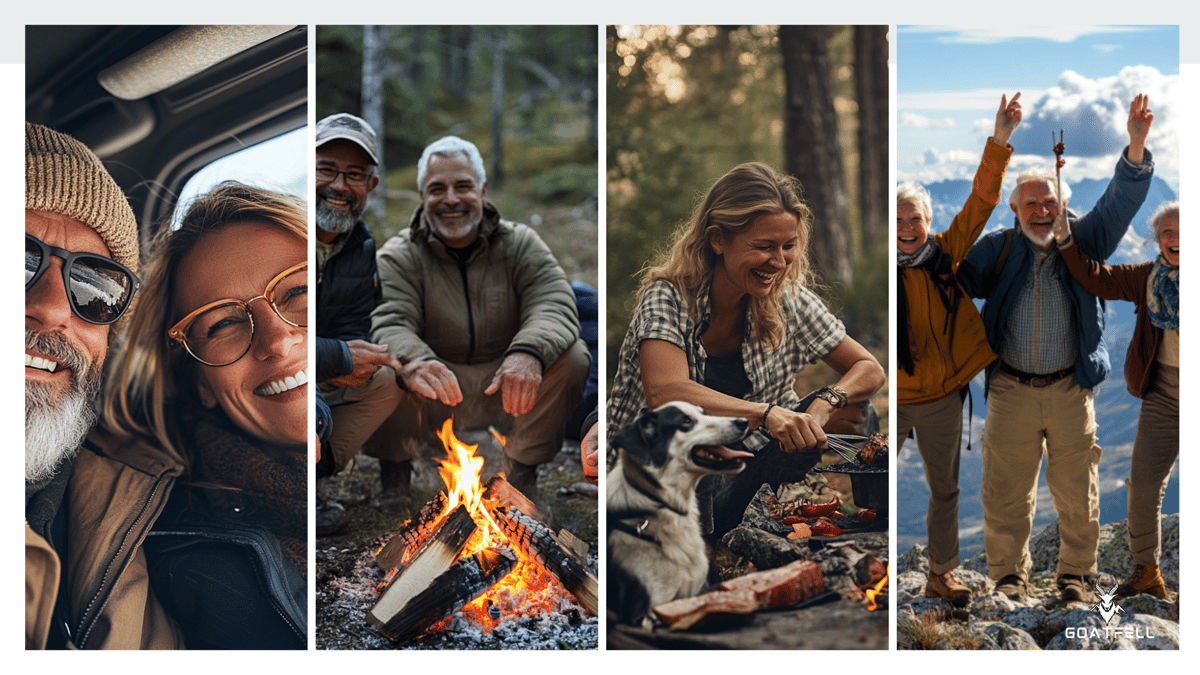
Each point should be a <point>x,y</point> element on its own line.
<point>396,496</point>
<point>1074,588</point>
<point>946,587</point>
<point>1145,579</point>
<point>331,518</point>
<point>1013,587</point>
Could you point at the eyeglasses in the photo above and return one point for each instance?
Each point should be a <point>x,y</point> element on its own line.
<point>221,332</point>
<point>98,289</point>
<point>328,174</point>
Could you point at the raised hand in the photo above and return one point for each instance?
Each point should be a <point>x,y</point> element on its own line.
<point>518,379</point>
<point>1007,118</point>
<point>1062,229</point>
<point>1138,125</point>
<point>432,379</point>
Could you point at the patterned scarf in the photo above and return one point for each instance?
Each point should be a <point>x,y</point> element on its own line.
<point>1164,295</point>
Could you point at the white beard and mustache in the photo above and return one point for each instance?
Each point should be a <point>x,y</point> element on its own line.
<point>54,429</point>
<point>1041,241</point>
<point>332,220</point>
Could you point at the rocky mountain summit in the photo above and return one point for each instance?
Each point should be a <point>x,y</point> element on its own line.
<point>1042,621</point>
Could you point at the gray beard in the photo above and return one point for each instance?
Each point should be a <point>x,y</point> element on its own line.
<point>55,428</point>
<point>332,221</point>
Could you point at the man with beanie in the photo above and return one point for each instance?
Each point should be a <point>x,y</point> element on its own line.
<point>357,378</point>
<point>86,583</point>
<point>483,318</point>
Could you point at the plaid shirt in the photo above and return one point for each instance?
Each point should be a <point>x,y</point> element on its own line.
<point>811,332</point>
<point>1040,334</point>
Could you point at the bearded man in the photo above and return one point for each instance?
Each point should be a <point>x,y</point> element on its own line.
<point>357,378</point>
<point>86,584</point>
<point>483,318</point>
<point>1048,332</point>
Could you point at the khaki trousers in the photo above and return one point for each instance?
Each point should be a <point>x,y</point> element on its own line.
<point>1154,453</point>
<point>358,412</point>
<point>1023,423</point>
<point>533,438</point>
<point>939,440</point>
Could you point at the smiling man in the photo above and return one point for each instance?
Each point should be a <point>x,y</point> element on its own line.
<point>357,378</point>
<point>1048,332</point>
<point>85,573</point>
<point>483,317</point>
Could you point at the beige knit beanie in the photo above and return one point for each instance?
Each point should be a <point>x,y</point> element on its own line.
<point>63,176</point>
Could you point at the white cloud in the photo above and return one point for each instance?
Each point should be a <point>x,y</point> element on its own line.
<point>1051,32</point>
<point>970,99</point>
<point>1108,48</point>
<point>916,121</point>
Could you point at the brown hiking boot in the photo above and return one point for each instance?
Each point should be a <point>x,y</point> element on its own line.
<point>1145,579</point>
<point>1074,588</point>
<point>945,586</point>
<point>1013,587</point>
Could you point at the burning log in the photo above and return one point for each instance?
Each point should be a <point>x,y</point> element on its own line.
<point>537,542</point>
<point>740,598</point>
<point>401,547</point>
<point>466,580</point>
<point>440,550</point>
<point>504,495</point>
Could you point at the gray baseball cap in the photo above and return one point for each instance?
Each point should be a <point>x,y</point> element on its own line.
<point>349,127</point>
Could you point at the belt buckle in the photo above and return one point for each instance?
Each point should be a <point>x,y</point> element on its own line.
<point>1039,381</point>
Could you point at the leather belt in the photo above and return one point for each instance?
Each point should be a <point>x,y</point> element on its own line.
<point>1034,380</point>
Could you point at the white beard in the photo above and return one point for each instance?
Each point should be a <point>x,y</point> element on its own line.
<point>1037,240</point>
<point>53,431</point>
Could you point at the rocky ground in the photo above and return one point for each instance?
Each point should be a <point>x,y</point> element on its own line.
<point>1042,621</point>
<point>347,577</point>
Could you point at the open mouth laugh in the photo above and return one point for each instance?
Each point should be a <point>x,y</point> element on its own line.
<point>288,383</point>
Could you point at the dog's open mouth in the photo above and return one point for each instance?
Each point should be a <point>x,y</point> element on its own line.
<point>719,457</point>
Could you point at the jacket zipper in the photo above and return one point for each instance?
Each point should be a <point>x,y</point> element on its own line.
<point>462,269</point>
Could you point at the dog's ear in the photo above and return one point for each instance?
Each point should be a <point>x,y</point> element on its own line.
<point>637,438</point>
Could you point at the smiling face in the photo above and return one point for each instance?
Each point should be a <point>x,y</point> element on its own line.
<point>340,205</point>
<point>755,260</point>
<point>912,228</point>
<point>1168,237</point>
<point>237,262</point>
<point>453,199</point>
<point>1036,209</point>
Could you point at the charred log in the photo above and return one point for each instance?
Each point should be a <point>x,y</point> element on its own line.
<point>401,547</point>
<point>439,551</point>
<point>537,542</point>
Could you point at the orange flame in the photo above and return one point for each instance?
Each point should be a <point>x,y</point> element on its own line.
<point>460,473</point>
<point>872,592</point>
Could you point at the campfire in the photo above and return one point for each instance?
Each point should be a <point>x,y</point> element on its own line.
<point>484,552</point>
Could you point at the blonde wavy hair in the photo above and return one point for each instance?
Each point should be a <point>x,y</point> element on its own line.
<point>748,192</point>
<point>147,376</point>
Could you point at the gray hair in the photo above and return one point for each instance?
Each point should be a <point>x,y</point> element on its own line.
<point>1165,209</point>
<point>908,191</point>
<point>1037,173</point>
<point>446,146</point>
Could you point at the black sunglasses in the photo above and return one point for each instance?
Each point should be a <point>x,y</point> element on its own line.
<point>98,289</point>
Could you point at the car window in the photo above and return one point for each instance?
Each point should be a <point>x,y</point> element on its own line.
<point>280,164</point>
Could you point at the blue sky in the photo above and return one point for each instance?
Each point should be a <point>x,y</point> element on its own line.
<point>949,83</point>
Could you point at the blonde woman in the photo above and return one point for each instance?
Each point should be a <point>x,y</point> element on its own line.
<point>725,322</point>
<point>212,379</point>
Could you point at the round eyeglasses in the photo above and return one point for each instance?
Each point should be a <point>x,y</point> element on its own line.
<point>99,289</point>
<point>221,332</point>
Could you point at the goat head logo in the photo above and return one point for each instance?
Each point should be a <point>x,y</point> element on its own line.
<point>1107,607</point>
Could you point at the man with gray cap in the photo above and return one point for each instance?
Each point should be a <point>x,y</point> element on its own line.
<point>86,516</point>
<point>357,378</point>
<point>483,318</point>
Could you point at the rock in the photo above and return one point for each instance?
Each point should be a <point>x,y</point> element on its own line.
<point>913,560</point>
<point>1148,632</point>
<point>1148,604</point>
<point>766,551</point>
<point>991,604</point>
<point>908,586</point>
<point>1003,635</point>
<point>756,515</point>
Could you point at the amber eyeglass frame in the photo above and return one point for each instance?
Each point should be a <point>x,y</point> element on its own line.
<point>179,330</point>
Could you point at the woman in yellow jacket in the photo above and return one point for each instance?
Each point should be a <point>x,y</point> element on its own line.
<point>941,342</point>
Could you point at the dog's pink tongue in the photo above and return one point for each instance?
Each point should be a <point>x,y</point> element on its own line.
<point>729,453</point>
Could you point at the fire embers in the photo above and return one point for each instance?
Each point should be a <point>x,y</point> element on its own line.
<point>474,552</point>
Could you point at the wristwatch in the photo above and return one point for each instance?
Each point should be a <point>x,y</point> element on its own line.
<point>834,396</point>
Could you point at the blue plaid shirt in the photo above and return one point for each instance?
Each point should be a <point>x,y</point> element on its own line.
<point>1040,336</point>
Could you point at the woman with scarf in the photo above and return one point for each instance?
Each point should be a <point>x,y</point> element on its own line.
<point>1151,374</point>
<point>725,321</point>
<point>211,381</point>
<point>941,342</point>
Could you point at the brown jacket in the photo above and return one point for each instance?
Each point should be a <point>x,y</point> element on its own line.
<point>1122,282</point>
<point>943,366</point>
<point>111,506</point>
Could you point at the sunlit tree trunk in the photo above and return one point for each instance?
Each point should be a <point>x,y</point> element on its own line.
<point>871,83</point>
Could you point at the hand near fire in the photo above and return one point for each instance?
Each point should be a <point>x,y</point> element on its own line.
<point>518,379</point>
<point>1138,125</point>
<point>367,358</point>
<point>1007,118</point>
<point>589,454</point>
<point>432,379</point>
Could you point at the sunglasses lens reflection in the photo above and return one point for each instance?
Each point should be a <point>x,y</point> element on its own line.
<point>99,289</point>
<point>33,260</point>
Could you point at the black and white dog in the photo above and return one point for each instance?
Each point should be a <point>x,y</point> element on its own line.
<point>655,550</point>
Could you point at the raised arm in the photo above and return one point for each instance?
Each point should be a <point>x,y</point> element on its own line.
<point>985,190</point>
<point>1111,282</point>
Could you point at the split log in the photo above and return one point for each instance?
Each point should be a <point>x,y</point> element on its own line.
<point>740,598</point>
<point>505,495</point>
<point>469,578</point>
<point>405,543</point>
<point>536,541</point>
<point>440,550</point>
